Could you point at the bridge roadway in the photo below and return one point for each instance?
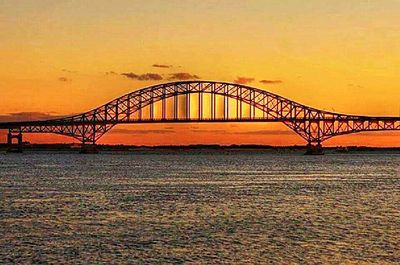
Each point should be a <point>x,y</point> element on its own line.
<point>198,102</point>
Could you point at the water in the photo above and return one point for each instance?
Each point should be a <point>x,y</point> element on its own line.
<point>199,207</point>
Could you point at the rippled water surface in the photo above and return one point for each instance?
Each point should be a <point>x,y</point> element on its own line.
<point>199,207</point>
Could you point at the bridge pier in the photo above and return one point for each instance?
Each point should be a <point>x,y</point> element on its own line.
<point>314,149</point>
<point>14,148</point>
<point>89,149</point>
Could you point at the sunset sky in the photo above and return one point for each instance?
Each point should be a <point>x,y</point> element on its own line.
<point>62,57</point>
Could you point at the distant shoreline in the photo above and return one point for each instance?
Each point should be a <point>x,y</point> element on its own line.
<point>213,147</point>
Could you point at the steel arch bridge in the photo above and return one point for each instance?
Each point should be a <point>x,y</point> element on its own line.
<point>203,101</point>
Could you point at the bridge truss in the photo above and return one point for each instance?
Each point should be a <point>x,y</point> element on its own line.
<point>204,101</point>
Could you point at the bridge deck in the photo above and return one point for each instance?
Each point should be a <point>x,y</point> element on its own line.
<point>17,124</point>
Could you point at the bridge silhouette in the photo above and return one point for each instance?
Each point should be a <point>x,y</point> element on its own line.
<point>201,101</point>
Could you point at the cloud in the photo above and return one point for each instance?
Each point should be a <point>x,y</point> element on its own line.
<point>183,76</point>
<point>162,65</point>
<point>69,71</point>
<point>28,116</point>
<point>379,134</point>
<point>215,131</point>
<point>110,73</point>
<point>128,131</point>
<point>259,132</point>
<point>265,81</point>
<point>244,80</point>
<point>143,77</point>
<point>210,131</point>
<point>267,132</point>
<point>64,79</point>
<point>355,86</point>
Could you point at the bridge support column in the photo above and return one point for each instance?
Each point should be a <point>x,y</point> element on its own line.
<point>89,149</point>
<point>14,148</point>
<point>314,149</point>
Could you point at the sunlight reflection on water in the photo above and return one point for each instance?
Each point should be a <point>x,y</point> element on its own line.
<point>235,207</point>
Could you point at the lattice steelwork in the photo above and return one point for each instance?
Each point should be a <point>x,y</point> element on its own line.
<point>205,101</point>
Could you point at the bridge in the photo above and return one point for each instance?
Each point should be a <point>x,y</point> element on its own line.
<point>201,101</point>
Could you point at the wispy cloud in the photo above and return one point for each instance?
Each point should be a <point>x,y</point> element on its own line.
<point>183,76</point>
<point>244,80</point>
<point>110,73</point>
<point>64,79</point>
<point>128,131</point>
<point>267,132</point>
<point>258,132</point>
<point>378,134</point>
<point>143,77</point>
<point>169,130</point>
<point>266,81</point>
<point>209,131</point>
<point>28,116</point>
<point>69,71</point>
<point>162,65</point>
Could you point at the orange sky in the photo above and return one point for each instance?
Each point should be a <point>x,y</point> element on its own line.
<point>62,57</point>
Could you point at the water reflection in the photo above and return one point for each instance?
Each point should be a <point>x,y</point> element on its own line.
<point>236,207</point>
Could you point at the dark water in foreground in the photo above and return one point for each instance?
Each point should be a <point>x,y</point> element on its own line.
<point>237,207</point>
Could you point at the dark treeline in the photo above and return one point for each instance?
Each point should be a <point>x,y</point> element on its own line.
<point>67,147</point>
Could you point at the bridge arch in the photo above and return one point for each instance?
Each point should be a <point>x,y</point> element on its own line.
<point>273,107</point>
